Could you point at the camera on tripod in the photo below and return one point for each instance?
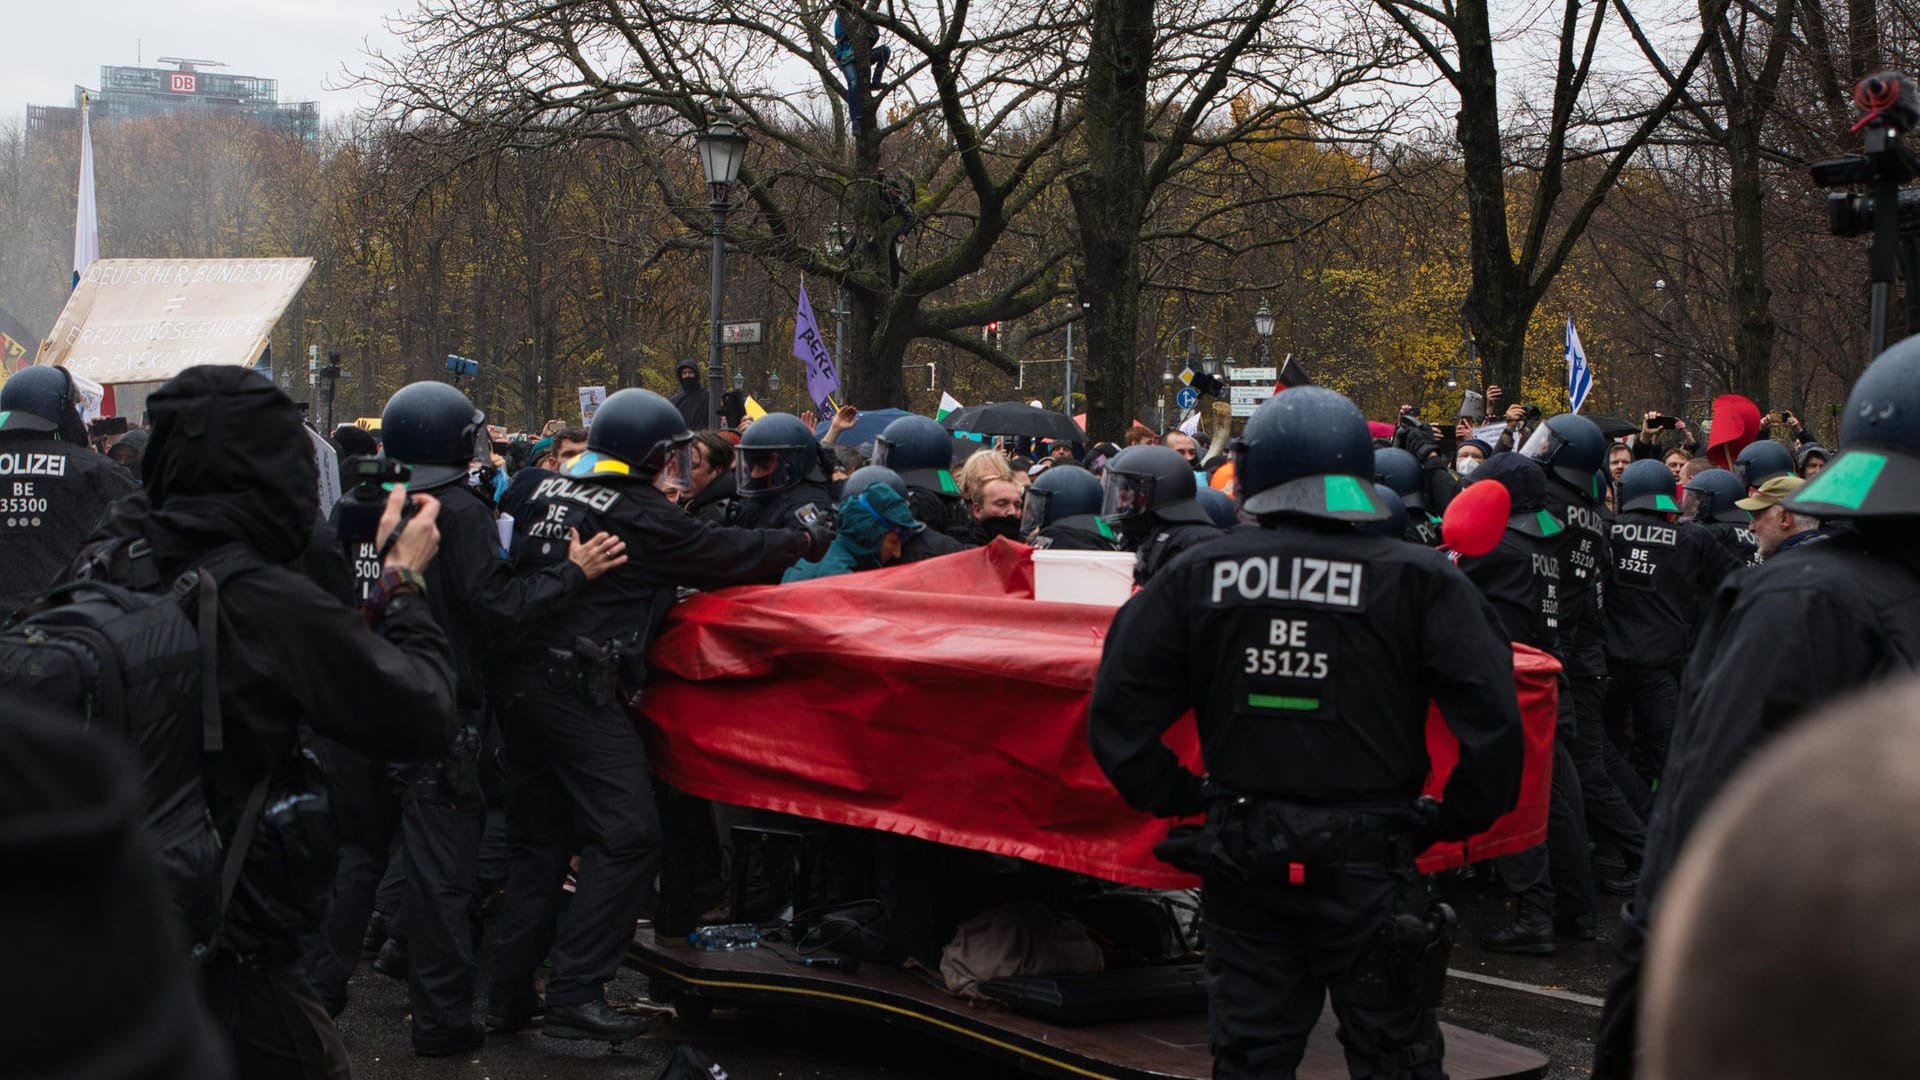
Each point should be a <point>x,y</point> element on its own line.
<point>1890,106</point>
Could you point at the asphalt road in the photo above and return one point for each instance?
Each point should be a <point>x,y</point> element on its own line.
<point>1541,1002</point>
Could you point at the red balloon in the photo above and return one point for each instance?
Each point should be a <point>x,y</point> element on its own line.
<point>1476,518</point>
<point>1736,424</point>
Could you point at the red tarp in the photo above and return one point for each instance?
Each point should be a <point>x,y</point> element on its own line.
<point>940,700</point>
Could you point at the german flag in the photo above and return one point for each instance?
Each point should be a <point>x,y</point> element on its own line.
<point>16,345</point>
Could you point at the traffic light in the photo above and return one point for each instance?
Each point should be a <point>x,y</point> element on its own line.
<point>992,333</point>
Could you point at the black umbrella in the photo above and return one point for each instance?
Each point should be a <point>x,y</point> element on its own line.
<point>1014,418</point>
<point>1613,427</point>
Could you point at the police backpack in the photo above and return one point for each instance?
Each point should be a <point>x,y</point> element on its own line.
<point>118,650</point>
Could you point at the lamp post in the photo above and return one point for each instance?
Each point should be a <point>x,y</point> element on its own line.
<point>722,147</point>
<point>1263,326</point>
<point>841,239</point>
<point>1167,379</point>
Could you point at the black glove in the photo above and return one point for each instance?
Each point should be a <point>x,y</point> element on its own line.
<point>1418,438</point>
<point>818,524</point>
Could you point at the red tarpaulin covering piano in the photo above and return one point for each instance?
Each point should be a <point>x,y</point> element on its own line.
<point>940,700</point>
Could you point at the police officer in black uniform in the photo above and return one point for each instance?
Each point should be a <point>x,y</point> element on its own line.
<point>1663,572</point>
<point>1572,450</point>
<point>779,474</point>
<point>53,487</point>
<point>1151,501</point>
<point>1786,637</point>
<point>579,766</point>
<point>1220,507</point>
<point>1308,653</point>
<point>477,599</point>
<point>924,543</point>
<point>1062,512</point>
<point>1762,461</point>
<point>921,451</point>
<point>1401,471</point>
<point>1708,501</point>
<point>1551,883</point>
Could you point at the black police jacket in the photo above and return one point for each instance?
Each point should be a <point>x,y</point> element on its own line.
<point>779,510</point>
<point>1078,532</point>
<point>941,511</point>
<point>1308,656</point>
<point>666,548</point>
<point>1663,573</point>
<point>1164,542</point>
<point>1586,567</point>
<point>1520,578</point>
<point>52,494</point>
<point>1421,528</point>
<point>1787,637</point>
<point>929,544</point>
<point>1737,539</point>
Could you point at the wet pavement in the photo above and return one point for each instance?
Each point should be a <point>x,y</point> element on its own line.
<point>1546,1007</point>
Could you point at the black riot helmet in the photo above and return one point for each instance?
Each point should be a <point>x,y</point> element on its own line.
<point>1219,506</point>
<point>636,432</point>
<point>1761,462</point>
<point>1395,524</point>
<point>432,427</point>
<point>36,399</point>
<point>920,450</point>
<point>1710,496</point>
<point>866,476</point>
<point>776,453</point>
<point>1877,471</point>
<point>1156,481</point>
<point>1061,492</point>
<point>1307,451</point>
<point>1573,449</point>
<point>1401,471</point>
<point>1648,485</point>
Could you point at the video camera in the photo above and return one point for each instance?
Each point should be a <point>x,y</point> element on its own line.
<point>367,481</point>
<point>1890,106</point>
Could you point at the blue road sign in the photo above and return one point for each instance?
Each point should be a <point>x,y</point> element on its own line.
<point>1187,398</point>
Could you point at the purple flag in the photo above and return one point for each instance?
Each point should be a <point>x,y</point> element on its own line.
<point>822,379</point>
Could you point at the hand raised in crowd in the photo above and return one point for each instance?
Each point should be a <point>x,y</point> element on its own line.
<point>1646,425</point>
<point>419,540</point>
<point>1494,396</point>
<point>596,556</point>
<point>843,419</point>
<point>810,418</point>
<point>1463,429</point>
<point>1516,414</point>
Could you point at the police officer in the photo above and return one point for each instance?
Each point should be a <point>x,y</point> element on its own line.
<point>1551,883</point>
<point>1308,653</point>
<point>921,451</point>
<point>579,766</point>
<point>1395,523</point>
<point>1789,635</point>
<point>1062,512</point>
<point>1708,501</point>
<point>477,599</point>
<point>1663,572</point>
<point>1573,451</point>
<point>53,487</point>
<point>778,473</point>
<point>925,543</point>
<point>1399,470</point>
<point>1762,461</point>
<point>1151,501</point>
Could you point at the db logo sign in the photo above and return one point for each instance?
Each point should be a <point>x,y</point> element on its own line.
<point>182,82</point>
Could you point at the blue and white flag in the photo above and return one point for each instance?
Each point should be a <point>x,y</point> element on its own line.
<point>86,223</point>
<point>1579,372</point>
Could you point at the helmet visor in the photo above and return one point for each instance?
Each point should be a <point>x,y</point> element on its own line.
<point>1696,505</point>
<point>1034,517</point>
<point>1542,445</point>
<point>881,448</point>
<point>771,469</point>
<point>1125,495</point>
<point>674,460</point>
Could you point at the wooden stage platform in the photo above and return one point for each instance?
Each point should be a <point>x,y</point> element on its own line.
<point>1155,1049</point>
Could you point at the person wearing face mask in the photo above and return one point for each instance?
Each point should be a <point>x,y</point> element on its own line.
<point>691,399</point>
<point>996,509</point>
<point>1469,456</point>
<point>875,525</point>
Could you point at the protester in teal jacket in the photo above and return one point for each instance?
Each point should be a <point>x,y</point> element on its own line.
<point>874,525</point>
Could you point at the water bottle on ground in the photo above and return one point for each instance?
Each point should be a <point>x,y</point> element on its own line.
<point>722,937</point>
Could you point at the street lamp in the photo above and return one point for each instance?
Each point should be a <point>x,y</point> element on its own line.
<point>722,148</point>
<point>740,380</point>
<point>1263,326</point>
<point>1167,379</point>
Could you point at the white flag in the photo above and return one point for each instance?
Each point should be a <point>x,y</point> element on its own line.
<point>86,221</point>
<point>948,403</point>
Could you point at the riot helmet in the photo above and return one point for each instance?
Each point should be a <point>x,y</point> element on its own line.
<point>1877,471</point>
<point>1307,451</point>
<point>1150,481</point>
<point>1574,449</point>
<point>36,399</point>
<point>777,453</point>
<point>1063,491</point>
<point>1710,496</point>
<point>1648,485</point>
<point>866,476</point>
<point>432,427</point>
<point>1395,523</point>
<point>1219,506</point>
<point>638,433</point>
<point>1401,471</point>
<point>920,450</point>
<point>1761,462</point>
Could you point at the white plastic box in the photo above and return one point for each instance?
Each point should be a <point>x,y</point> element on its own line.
<point>1083,577</point>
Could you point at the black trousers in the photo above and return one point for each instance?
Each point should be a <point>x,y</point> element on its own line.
<point>366,807</point>
<point>1654,695</point>
<point>441,819</point>
<point>1610,815</point>
<point>275,1025</point>
<point>1556,876</point>
<point>1275,951</point>
<point>575,766</point>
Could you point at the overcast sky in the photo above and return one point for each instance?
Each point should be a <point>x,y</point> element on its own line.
<point>56,44</point>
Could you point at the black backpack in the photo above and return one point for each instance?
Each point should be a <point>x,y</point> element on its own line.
<point>119,650</point>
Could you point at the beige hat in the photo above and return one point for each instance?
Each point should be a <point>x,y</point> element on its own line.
<point>1771,493</point>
